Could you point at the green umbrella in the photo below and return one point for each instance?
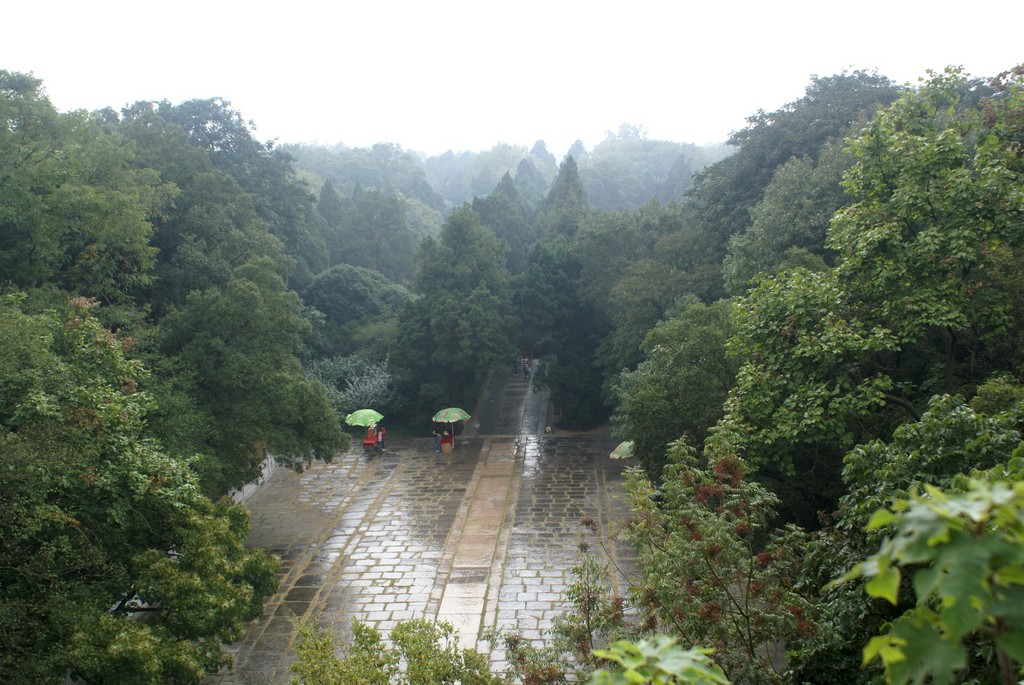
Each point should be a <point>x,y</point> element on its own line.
<point>363,417</point>
<point>450,415</point>
<point>623,451</point>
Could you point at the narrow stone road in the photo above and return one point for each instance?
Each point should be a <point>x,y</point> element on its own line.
<point>482,537</point>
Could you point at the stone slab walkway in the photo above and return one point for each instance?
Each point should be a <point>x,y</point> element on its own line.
<point>483,537</point>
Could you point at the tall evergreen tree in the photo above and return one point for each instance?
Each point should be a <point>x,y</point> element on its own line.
<point>566,203</point>
<point>505,213</point>
<point>561,327</point>
<point>330,206</point>
<point>543,161</point>
<point>459,328</point>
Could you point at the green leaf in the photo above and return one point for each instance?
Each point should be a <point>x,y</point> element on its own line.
<point>1010,575</point>
<point>886,584</point>
<point>926,651</point>
<point>881,519</point>
<point>885,647</point>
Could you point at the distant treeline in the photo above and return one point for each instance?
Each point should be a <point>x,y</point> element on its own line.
<point>621,173</point>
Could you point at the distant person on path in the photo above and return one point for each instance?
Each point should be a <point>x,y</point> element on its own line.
<point>380,434</point>
<point>437,437</point>
<point>526,367</point>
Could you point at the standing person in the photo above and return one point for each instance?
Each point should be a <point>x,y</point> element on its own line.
<point>380,433</point>
<point>526,367</point>
<point>437,437</point>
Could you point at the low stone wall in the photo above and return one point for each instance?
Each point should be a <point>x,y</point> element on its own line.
<point>267,470</point>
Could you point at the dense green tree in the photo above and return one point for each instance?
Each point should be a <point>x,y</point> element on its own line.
<point>606,244</point>
<point>347,293</point>
<point>491,165</point>
<point>559,326</point>
<point>385,167</point>
<point>282,202</point>
<point>576,383</point>
<point>424,384</point>
<point>237,348</point>
<point>692,252</point>
<point>952,438</point>
<point>933,240</point>
<point>636,266</point>
<point>810,373</point>
<point>459,328</point>
<point>642,297</point>
<point>376,235</point>
<point>99,526</point>
<point>74,210</point>
<point>923,289</point>
<point>447,172</point>
<point>681,175</point>
<point>577,150</point>
<point>402,172</point>
<point>424,221</point>
<point>530,183</point>
<point>791,221</point>
<point>625,275</point>
<point>627,169</point>
<point>547,299</point>
<point>350,298</point>
<point>725,192</point>
<point>543,161</point>
<point>331,206</point>
<point>210,227</point>
<point>679,388</point>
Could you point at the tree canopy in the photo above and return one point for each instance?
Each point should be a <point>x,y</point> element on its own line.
<point>100,526</point>
<point>823,325</point>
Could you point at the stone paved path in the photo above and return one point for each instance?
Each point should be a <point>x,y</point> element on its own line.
<point>482,537</point>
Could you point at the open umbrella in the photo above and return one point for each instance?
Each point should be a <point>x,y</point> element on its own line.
<point>623,451</point>
<point>451,415</point>
<point>363,417</point>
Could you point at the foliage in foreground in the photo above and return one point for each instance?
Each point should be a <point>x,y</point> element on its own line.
<point>659,662</point>
<point>595,619</point>
<point>100,526</point>
<point>712,573</point>
<point>423,653</point>
<point>951,439</point>
<point>964,551</point>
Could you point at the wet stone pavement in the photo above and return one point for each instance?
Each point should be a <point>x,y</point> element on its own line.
<point>483,537</point>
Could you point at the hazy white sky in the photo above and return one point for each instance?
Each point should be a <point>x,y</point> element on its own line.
<point>467,74</point>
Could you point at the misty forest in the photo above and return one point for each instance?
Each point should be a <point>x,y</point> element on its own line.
<point>813,333</point>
